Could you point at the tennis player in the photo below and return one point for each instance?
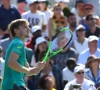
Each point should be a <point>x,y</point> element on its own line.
<point>16,64</point>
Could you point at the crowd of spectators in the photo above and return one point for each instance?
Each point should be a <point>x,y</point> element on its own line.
<point>78,64</point>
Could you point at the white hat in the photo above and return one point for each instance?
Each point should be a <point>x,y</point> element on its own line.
<point>79,27</point>
<point>92,38</point>
<point>62,1</point>
<point>41,0</point>
<point>40,40</point>
<point>78,68</point>
<point>31,1</point>
<point>35,28</point>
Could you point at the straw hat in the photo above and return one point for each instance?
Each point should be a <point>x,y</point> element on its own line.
<point>90,59</point>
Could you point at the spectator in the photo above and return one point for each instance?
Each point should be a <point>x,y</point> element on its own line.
<point>36,32</point>
<point>96,5</point>
<point>52,70</point>
<point>63,3</point>
<point>81,41</point>
<point>47,82</point>
<point>43,7</point>
<point>80,79</point>
<point>68,72</point>
<point>93,73</point>
<point>21,4</point>
<point>87,9</point>
<point>34,16</point>
<point>72,25</point>
<point>41,45</point>
<point>78,10</point>
<point>93,28</point>
<point>57,21</point>
<point>8,13</point>
<point>93,49</point>
<point>61,58</point>
<point>2,61</point>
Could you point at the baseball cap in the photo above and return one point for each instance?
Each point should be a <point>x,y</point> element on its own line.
<point>79,27</point>
<point>19,1</point>
<point>92,38</point>
<point>78,68</point>
<point>35,28</point>
<point>31,1</point>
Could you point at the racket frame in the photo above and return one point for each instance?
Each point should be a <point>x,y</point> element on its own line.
<point>49,55</point>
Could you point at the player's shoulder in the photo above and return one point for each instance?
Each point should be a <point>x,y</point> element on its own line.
<point>17,42</point>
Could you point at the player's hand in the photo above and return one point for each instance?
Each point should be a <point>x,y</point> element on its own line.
<point>39,66</point>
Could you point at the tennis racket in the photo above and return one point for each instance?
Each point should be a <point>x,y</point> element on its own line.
<point>58,43</point>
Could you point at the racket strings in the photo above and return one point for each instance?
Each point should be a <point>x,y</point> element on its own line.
<point>61,40</point>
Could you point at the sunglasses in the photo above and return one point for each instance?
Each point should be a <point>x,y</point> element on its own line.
<point>57,9</point>
<point>92,19</point>
<point>88,8</point>
<point>80,72</point>
<point>1,51</point>
<point>81,30</point>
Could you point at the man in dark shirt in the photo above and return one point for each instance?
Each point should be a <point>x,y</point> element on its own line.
<point>8,13</point>
<point>93,28</point>
<point>61,58</point>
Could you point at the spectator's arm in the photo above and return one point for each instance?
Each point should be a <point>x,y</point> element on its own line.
<point>43,28</point>
<point>44,23</point>
<point>50,27</point>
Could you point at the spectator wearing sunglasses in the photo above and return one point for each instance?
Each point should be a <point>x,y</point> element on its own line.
<point>1,63</point>
<point>81,41</point>
<point>57,21</point>
<point>93,73</point>
<point>87,9</point>
<point>80,79</point>
<point>93,28</point>
<point>77,10</point>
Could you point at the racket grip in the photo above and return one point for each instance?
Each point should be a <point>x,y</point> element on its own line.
<point>44,60</point>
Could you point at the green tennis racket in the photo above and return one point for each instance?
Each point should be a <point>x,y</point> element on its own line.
<point>58,43</point>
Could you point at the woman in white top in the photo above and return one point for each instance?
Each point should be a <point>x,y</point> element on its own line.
<point>81,43</point>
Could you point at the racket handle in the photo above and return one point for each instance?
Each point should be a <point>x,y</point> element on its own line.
<point>45,60</point>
